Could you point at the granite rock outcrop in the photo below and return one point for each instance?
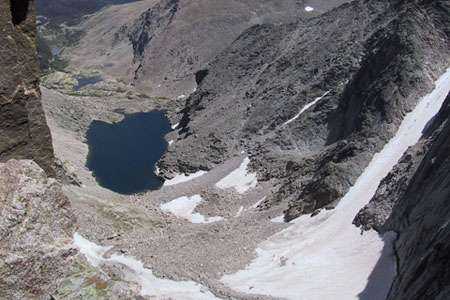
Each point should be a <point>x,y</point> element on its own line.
<point>37,224</point>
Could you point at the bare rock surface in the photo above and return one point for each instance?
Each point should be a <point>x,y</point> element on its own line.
<point>37,224</point>
<point>23,128</point>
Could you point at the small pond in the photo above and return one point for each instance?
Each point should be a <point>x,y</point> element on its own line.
<point>122,156</point>
<point>83,81</point>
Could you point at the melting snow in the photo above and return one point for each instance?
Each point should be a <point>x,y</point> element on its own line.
<point>171,142</point>
<point>309,8</point>
<point>181,96</point>
<point>183,178</point>
<point>259,202</point>
<point>174,126</point>
<point>279,219</point>
<point>305,108</point>
<point>150,284</point>
<point>239,179</point>
<point>238,214</point>
<point>326,257</point>
<point>184,206</point>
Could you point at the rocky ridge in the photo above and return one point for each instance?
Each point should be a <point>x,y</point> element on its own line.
<point>177,37</point>
<point>373,72</point>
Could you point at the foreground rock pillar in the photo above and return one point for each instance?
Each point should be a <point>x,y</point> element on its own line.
<point>23,129</point>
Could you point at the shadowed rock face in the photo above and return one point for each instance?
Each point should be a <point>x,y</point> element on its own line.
<point>37,224</point>
<point>23,127</point>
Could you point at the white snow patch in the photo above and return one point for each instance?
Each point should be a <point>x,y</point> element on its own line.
<point>156,170</point>
<point>309,8</point>
<point>183,207</point>
<point>279,219</point>
<point>238,214</point>
<point>326,257</point>
<point>150,284</point>
<point>305,108</point>
<point>259,202</point>
<point>183,178</point>
<point>170,142</point>
<point>174,126</point>
<point>182,96</point>
<point>239,179</point>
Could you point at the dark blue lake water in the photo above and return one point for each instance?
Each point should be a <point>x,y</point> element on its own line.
<point>83,81</point>
<point>122,156</point>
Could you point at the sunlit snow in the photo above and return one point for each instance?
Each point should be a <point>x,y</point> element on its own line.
<point>326,257</point>
<point>309,8</point>
<point>239,179</point>
<point>184,207</point>
<point>135,272</point>
<point>305,108</point>
<point>279,219</point>
<point>259,202</point>
<point>179,178</point>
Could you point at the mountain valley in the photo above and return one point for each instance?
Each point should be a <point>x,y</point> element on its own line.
<point>308,156</point>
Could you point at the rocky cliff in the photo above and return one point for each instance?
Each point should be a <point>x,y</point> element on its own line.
<point>414,200</point>
<point>37,225</point>
<point>361,66</point>
<point>37,222</point>
<point>23,127</point>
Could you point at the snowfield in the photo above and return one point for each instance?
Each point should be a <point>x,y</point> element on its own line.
<point>183,178</point>
<point>135,271</point>
<point>326,257</point>
<point>239,179</point>
<point>183,207</point>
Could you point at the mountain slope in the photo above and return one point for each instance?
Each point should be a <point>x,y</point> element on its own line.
<point>159,45</point>
<point>368,70</point>
<point>70,8</point>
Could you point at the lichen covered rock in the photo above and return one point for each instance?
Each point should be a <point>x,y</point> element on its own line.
<point>37,224</point>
